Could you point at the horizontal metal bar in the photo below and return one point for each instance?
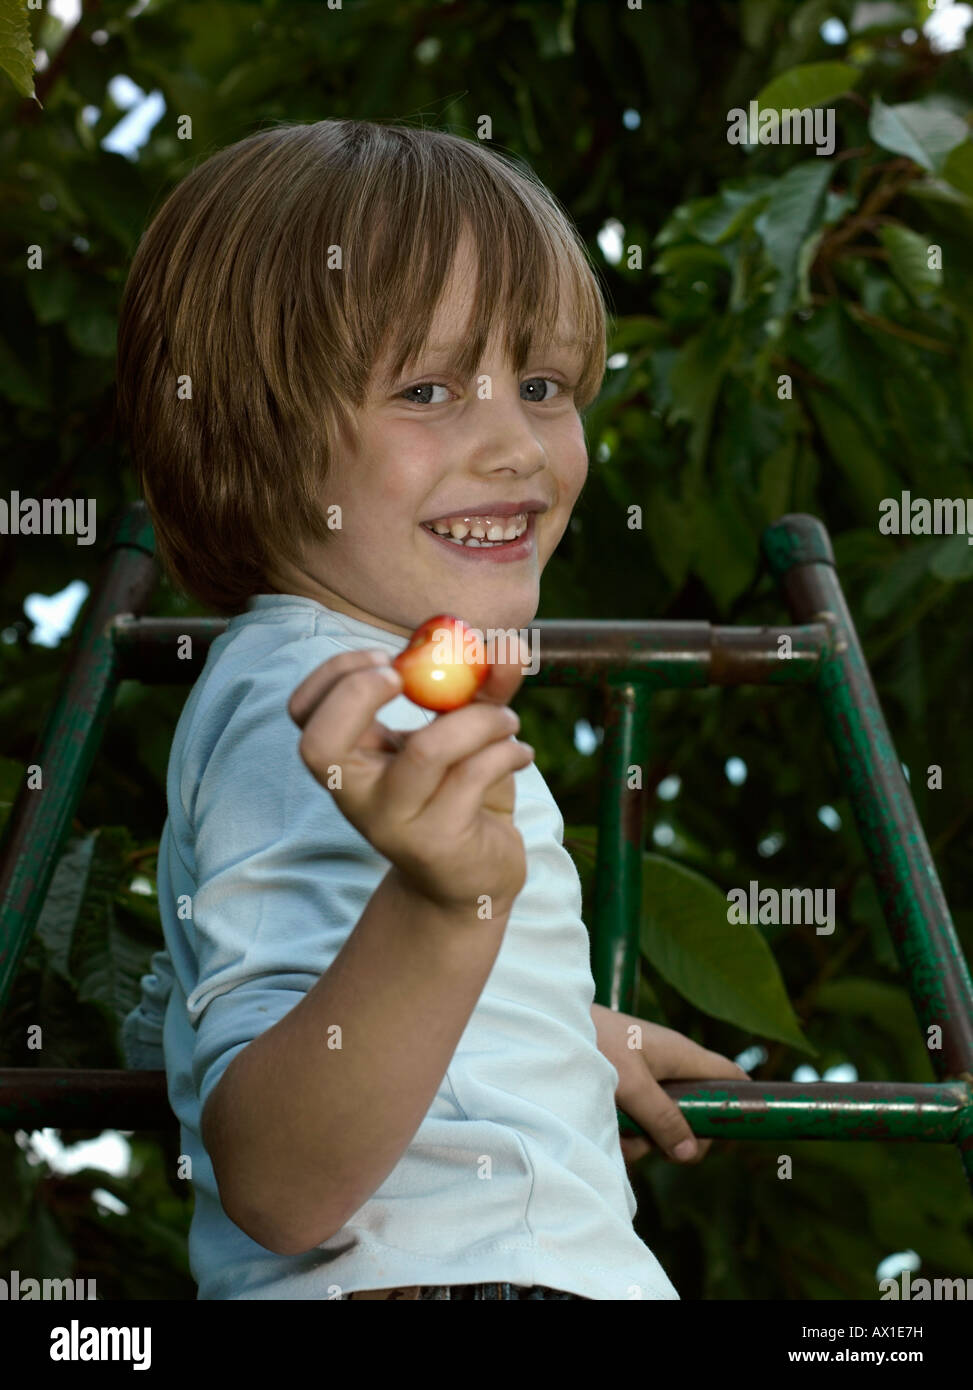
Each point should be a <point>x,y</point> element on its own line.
<point>38,1098</point>
<point>938,1113</point>
<point>659,655</point>
<point>34,1098</point>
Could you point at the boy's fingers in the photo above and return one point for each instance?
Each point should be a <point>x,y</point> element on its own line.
<point>703,1147</point>
<point>336,727</point>
<point>430,755</point>
<point>677,1058</point>
<point>316,686</point>
<point>662,1119</point>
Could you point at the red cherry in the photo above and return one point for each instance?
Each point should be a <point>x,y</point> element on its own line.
<point>444,664</point>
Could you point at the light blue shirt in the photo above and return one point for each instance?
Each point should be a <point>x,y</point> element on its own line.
<point>261,880</point>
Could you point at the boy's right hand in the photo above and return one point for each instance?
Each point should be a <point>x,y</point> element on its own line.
<point>437,801</point>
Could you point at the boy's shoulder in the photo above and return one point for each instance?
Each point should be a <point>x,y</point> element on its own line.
<point>253,668</point>
<point>278,641</point>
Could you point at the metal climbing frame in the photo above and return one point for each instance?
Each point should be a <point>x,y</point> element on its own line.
<point>628,661</point>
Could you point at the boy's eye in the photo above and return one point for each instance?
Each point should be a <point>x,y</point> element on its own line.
<point>540,380</point>
<point>423,387</point>
<point>532,383</point>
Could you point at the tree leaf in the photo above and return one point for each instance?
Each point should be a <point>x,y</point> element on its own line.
<point>16,1184</point>
<point>851,450</point>
<point>726,970</point>
<point>725,550</point>
<point>906,570</point>
<point>16,50</point>
<point>922,131</point>
<point>673,541</point>
<point>43,1246</point>
<point>93,332</point>
<point>835,349</point>
<point>59,915</point>
<point>958,167</point>
<point>952,559</point>
<point>636,331</point>
<point>887,1006</point>
<point>727,213</point>
<point>51,291</point>
<point>756,21</point>
<point>694,382</point>
<point>909,260</point>
<point>810,84</point>
<point>793,212</point>
<point>107,962</point>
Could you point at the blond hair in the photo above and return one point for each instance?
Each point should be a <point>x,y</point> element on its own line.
<point>231,288</point>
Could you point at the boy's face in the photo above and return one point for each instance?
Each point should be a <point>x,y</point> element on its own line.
<point>429,448</point>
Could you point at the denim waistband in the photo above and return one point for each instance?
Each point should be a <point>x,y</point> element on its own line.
<point>487,1292</point>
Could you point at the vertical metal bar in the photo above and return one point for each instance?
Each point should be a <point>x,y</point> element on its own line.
<point>40,817</point>
<point>929,951</point>
<point>618,866</point>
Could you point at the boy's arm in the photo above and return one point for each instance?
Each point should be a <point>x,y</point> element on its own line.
<point>306,1124</point>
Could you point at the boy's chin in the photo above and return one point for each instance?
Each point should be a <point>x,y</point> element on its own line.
<point>506,618</point>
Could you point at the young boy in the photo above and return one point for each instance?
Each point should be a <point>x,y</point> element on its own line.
<point>352,361</point>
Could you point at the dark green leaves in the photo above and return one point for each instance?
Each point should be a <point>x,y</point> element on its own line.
<point>725,969</point>
<point>791,217</point>
<point>922,131</point>
<point>16,50</point>
<point>811,84</point>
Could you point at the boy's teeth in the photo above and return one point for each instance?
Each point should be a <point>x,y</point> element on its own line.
<point>485,530</point>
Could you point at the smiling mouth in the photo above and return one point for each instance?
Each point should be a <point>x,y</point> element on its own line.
<point>519,547</point>
<point>482,535</point>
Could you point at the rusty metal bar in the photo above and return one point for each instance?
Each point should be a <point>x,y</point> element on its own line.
<point>35,1098</point>
<point>618,867</point>
<point>799,551</point>
<point>887,1110</point>
<point>148,649</point>
<point>40,816</point>
<point>659,655</point>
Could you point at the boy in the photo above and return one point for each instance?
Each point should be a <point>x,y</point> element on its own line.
<point>385,1090</point>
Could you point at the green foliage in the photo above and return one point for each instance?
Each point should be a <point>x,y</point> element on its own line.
<point>786,340</point>
<point>16,54</point>
<point>809,84</point>
<point>725,970</point>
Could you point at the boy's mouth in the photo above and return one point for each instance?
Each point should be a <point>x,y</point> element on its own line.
<point>478,531</point>
<point>508,538</point>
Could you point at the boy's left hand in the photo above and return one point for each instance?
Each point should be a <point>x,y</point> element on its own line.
<point>665,1055</point>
